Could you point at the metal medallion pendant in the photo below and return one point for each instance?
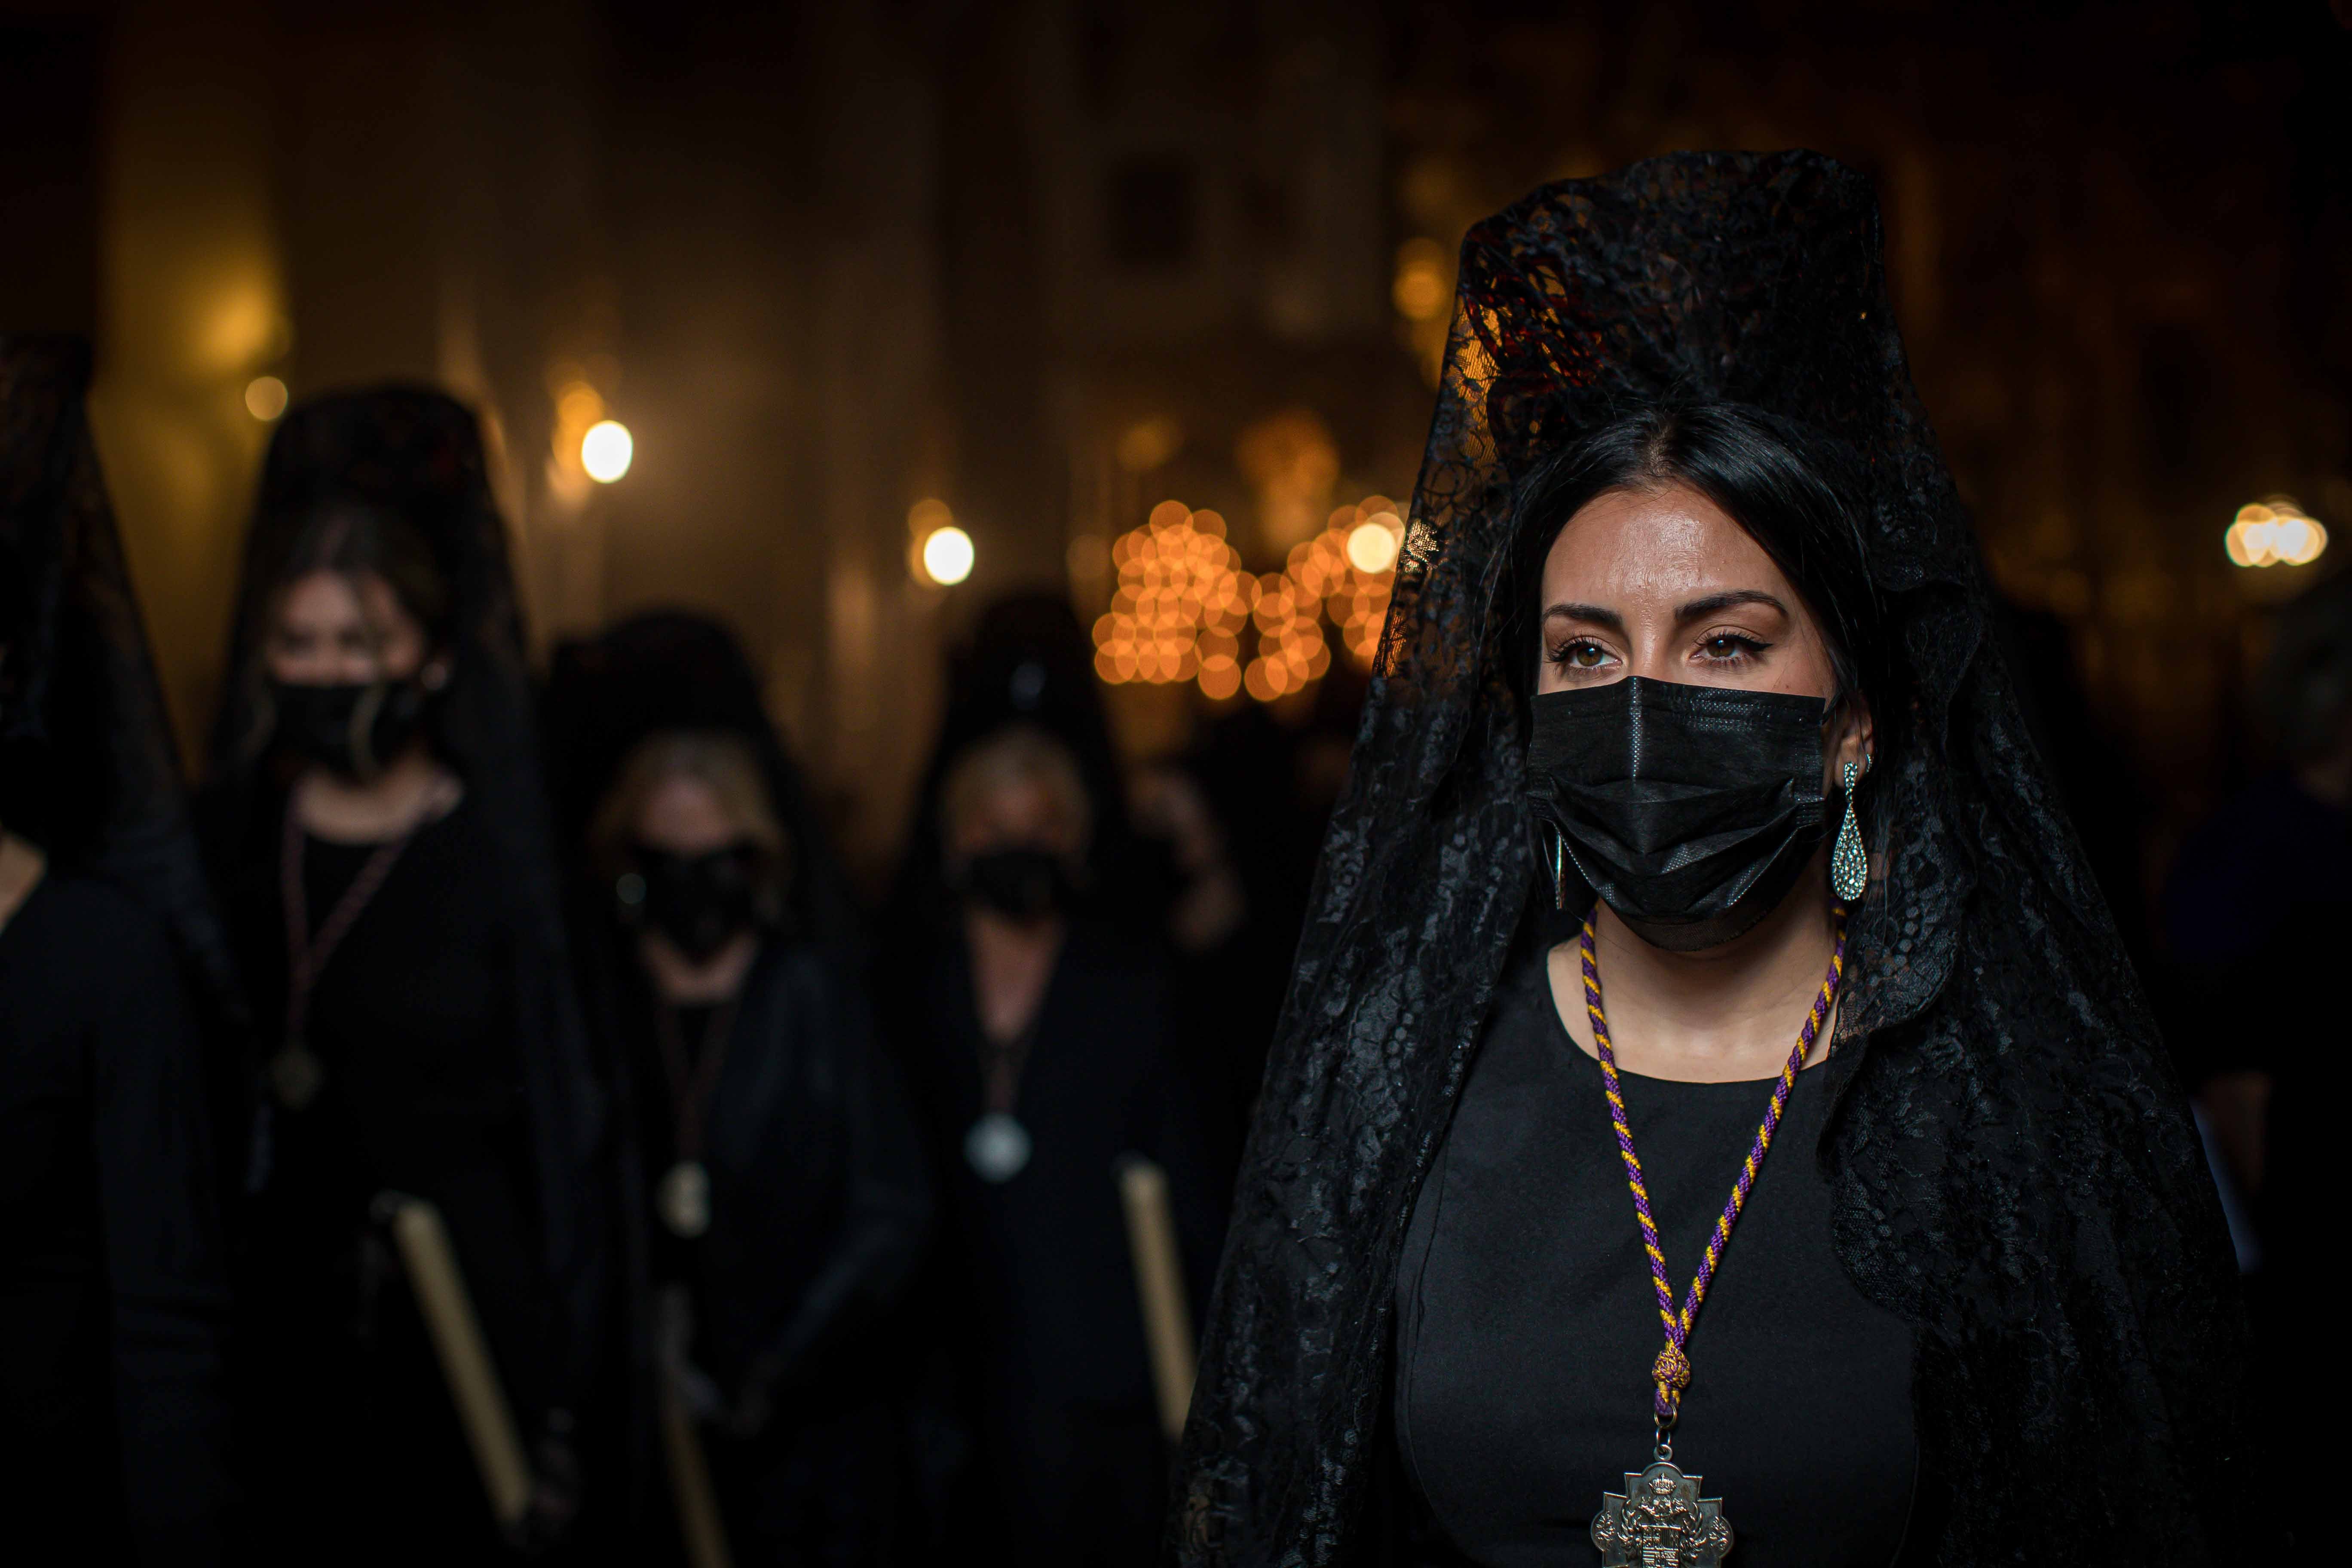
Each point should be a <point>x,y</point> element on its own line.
<point>683,1199</point>
<point>295,1077</point>
<point>997,1147</point>
<point>1661,1522</point>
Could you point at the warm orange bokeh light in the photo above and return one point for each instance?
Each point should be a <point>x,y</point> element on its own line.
<point>2274,533</point>
<point>1184,603</point>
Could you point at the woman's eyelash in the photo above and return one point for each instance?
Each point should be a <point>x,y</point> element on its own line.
<point>1740,645</point>
<point>1564,656</point>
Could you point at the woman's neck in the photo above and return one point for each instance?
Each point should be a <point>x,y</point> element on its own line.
<point>683,982</point>
<point>1012,964</point>
<point>1721,1016</point>
<point>413,789</point>
<point>21,867</point>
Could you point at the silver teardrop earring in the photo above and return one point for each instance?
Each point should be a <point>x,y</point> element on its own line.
<point>1558,872</point>
<point>1849,867</point>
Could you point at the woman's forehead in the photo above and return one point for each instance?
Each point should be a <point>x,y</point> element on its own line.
<point>324,593</point>
<point>1670,541</point>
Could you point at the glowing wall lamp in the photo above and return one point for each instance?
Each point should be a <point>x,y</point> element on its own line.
<point>946,555</point>
<point>605,450</point>
<point>2273,531</point>
<point>938,551</point>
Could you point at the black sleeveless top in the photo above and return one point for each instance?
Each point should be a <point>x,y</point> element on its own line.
<point>1527,1323</point>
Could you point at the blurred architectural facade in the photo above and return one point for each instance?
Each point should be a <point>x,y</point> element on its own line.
<point>1053,262</point>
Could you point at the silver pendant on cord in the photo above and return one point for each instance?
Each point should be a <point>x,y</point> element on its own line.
<point>683,1199</point>
<point>295,1077</point>
<point>997,1147</point>
<point>1661,1522</point>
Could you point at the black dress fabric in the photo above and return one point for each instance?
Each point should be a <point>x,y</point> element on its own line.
<point>118,1015</point>
<point>1035,1290</point>
<point>113,1300</point>
<point>413,1023</point>
<point>1527,1322</point>
<point>2012,1168</point>
<point>819,1211</point>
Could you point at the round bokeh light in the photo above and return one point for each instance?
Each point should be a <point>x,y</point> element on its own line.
<point>948,555</point>
<point>607,449</point>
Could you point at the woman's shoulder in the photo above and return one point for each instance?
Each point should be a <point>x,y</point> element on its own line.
<point>1524,985</point>
<point>86,933</point>
<point>797,961</point>
<point>1098,949</point>
<point>805,977</point>
<point>72,907</point>
<point>465,848</point>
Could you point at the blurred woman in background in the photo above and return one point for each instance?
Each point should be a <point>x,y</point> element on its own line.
<point>781,1173</point>
<point>1040,1044</point>
<point>1028,661</point>
<point>380,842</point>
<point>2257,911</point>
<point>113,1296</point>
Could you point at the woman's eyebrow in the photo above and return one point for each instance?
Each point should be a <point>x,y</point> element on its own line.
<point>1713,603</point>
<point>1592,612</point>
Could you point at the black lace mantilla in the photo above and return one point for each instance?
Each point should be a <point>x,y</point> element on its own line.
<point>2015,1169</point>
<point>88,765</point>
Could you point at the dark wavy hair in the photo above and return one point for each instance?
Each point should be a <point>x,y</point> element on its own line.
<point>1788,487</point>
<point>354,540</point>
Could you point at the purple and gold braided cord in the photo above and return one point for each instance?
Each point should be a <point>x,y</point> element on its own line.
<point>1673,1370</point>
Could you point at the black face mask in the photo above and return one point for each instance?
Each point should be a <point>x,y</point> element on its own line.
<point>701,902</point>
<point>1689,810</point>
<point>1022,881</point>
<point>352,729</point>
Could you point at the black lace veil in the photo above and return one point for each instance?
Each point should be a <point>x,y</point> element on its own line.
<point>87,766</point>
<point>2014,1170</point>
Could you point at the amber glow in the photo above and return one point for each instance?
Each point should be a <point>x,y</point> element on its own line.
<point>606,450</point>
<point>948,555</point>
<point>2272,532</point>
<point>1420,291</point>
<point>1185,603</point>
<point>265,397</point>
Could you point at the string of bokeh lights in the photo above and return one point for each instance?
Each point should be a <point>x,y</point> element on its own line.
<point>1186,603</point>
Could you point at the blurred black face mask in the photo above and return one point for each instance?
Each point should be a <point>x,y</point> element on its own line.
<point>1022,881</point>
<point>352,729</point>
<point>701,902</point>
<point>1689,810</point>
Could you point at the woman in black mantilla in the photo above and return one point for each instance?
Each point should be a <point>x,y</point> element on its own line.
<point>1688,738</point>
<point>380,839</point>
<point>1037,1041</point>
<point>113,1296</point>
<point>780,1194</point>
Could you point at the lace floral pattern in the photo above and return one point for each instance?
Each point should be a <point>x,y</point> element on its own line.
<point>2015,1168</point>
